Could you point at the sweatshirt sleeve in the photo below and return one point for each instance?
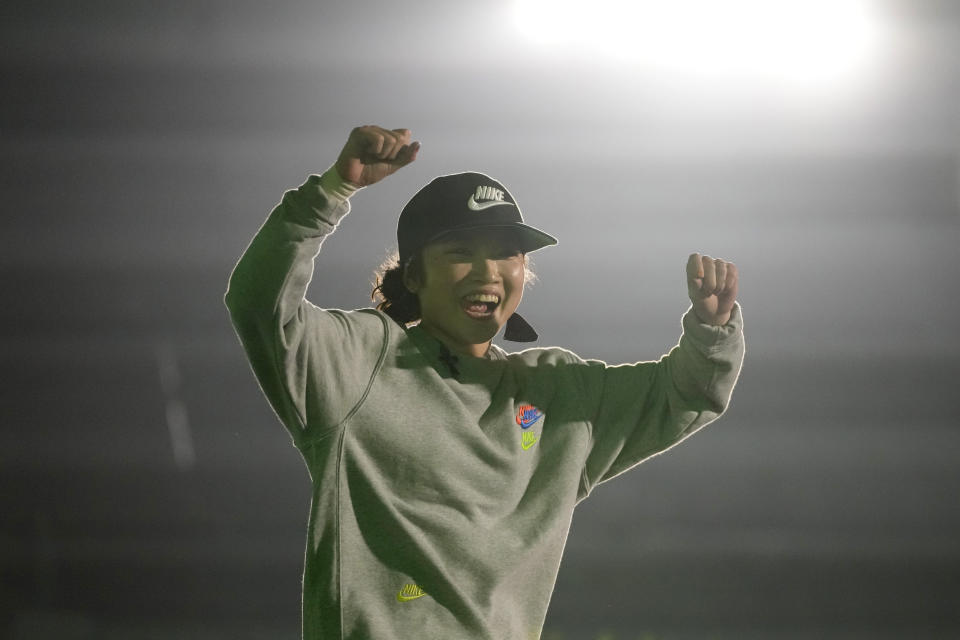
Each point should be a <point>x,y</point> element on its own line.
<point>639,410</point>
<point>312,364</point>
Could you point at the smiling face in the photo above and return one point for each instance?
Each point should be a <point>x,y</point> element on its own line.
<point>472,283</point>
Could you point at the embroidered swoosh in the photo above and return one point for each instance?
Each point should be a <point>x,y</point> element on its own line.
<point>410,592</point>
<point>528,440</point>
<point>480,206</point>
<point>526,422</point>
<point>527,415</point>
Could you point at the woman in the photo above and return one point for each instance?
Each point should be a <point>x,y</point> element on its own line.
<point>446,470</point>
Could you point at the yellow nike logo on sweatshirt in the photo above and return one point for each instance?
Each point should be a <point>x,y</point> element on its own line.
<point>528,439</point>
<point>410,592</point>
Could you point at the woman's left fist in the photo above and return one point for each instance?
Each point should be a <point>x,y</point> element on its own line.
<point>712,287</point>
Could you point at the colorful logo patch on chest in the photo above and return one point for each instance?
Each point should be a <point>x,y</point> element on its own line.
<point>527,416</point>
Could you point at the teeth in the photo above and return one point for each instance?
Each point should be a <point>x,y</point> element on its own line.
<point>482,297</point>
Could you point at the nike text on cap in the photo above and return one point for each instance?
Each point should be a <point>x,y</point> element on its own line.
<point>463,201</point>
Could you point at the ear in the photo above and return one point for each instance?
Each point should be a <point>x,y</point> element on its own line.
<point>410,282</point>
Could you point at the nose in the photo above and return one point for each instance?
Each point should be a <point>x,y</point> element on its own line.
<point>486,268</point>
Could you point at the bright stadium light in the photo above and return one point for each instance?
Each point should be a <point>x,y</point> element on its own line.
<point>792,40</point>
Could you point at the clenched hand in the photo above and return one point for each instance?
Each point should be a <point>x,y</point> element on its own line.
<point>372,153</point>
<point>712,286</point>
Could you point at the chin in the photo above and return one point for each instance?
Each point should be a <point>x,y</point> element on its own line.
<point>481,334</point>
<point>479,337</point>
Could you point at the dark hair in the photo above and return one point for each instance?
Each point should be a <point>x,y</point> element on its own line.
<point>396,300</point>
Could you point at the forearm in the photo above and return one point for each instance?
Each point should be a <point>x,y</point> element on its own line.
<point>705,365</point>
<point>273,273</point>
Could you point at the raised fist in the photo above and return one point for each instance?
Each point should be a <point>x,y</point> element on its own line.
<point>712,285</point>
<point>372,153</point>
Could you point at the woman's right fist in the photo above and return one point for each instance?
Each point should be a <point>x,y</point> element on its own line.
<point>372,153</point>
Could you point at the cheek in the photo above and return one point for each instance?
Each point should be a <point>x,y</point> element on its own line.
<point>458,271</point>
<point>442,279</point>
<point>517,271</point>
<point>515,275</point>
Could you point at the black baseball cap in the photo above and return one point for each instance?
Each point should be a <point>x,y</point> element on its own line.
<point>459,202</point>
<point>465,201</point>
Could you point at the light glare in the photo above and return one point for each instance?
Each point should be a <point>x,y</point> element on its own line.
<point>798,40</point>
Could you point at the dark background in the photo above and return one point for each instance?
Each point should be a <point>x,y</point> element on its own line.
<point>149,492</point>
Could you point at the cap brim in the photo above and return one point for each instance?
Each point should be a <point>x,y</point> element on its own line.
<point>531,238</point>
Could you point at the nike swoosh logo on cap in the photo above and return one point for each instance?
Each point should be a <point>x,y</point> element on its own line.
<point>473,205</point>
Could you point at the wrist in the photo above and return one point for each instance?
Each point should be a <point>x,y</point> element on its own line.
<point>335,186</point>
<point>715,320</point>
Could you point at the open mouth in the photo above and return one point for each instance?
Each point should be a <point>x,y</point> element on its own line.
<point>479,305</point>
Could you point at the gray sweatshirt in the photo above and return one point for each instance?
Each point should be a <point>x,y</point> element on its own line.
<point>442,496</point>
